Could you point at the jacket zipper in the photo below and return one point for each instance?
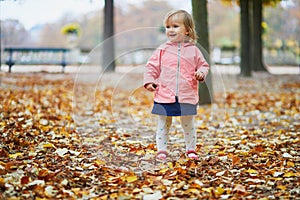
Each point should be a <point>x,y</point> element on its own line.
<point>178,70</point>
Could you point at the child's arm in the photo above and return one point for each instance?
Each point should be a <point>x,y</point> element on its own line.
<point>202,68</point>
<point>152,71</point>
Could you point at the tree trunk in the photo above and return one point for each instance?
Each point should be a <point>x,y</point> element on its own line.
<point>0,47</point>
<point>200,16</point>
<point>109,51</point>
<point>245,64</point>
<point>257,43</point>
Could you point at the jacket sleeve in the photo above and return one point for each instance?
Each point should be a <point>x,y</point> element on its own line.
<point>202,64</point>
<point>152,71</point>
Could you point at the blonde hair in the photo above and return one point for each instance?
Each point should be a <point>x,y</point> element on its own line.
<point>188,22</point>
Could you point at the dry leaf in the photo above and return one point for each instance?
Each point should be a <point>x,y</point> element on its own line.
<point>240,189</point>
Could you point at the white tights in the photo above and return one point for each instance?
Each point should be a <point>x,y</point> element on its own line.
<point>163,126</point>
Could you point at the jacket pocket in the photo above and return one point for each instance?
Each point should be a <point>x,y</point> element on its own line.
<point>163,92</point>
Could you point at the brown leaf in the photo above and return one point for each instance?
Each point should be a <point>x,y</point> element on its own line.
<point>25,180</point>
<point>240,189</point>
<point>236,160</point>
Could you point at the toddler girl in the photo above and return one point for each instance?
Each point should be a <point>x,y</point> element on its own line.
<point>172,73</point>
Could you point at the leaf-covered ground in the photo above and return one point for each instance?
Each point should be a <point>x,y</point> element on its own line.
<point>248,141</point>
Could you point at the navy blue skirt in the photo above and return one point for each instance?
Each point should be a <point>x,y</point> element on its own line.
<point>174,109</point>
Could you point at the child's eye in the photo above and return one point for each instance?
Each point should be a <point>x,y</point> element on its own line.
<point>175,26</point>
<point>167,26</point>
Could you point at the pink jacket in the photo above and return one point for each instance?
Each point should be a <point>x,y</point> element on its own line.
<point>172,67</point>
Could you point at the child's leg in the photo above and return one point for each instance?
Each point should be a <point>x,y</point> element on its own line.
<point>187,123</point>
<point>163,126</point>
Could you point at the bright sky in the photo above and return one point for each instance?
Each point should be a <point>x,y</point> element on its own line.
<point>32,12</point>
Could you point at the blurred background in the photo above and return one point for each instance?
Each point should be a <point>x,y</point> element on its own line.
<point>44,23</point>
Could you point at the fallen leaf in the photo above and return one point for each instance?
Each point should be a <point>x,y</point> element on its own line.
<point>277,174</point>
<point>220,173</point>
<point>240,189</point>
<point>48,145</point>
<point>236,160</point>
<point>131,178</point>
<point>287,155</point>
<point>219,191</point>
<point>15,155</point>
<point>61,152</point>
<point>154,196</point>
<point>252,171</point>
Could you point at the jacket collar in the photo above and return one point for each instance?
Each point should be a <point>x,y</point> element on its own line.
<point>168,43</point>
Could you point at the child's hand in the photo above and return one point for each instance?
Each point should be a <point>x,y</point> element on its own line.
<point>151,87</point>
<point>199,76</point>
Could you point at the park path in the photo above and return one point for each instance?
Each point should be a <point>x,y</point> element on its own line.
<point>223,69</point>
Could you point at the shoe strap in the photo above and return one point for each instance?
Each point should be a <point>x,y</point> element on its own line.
<point>162,152</point>
<point>191,151</point>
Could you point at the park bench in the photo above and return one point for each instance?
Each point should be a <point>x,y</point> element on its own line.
<point>35,56</point>
<point>226,55</point>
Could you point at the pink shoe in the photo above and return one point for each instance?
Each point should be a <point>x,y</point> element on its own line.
<point>192,154</point>
<point>162,155</point>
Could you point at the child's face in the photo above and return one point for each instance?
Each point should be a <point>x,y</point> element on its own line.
<point>175,29</point>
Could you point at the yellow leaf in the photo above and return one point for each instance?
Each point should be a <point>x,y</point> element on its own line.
<point>163,170</point>
<point>100,162</point>
<point>208,189</point>
<point>264,154</point>
<point>105,197</point>
<point>15,155</point>
<point>244,153</point>
<point>48,145</point>
<point>281,187</point>
<point>2,181</point>
<point>113,196</point>
<point>170,165</point>
<point>277,179</point>
<point>221,153</point>
<point>131,178</point>
<point>290,164</point>
<point>289,174</point>
<point>219,191</point>
<point>150,151</point>
<point>252,171</point>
